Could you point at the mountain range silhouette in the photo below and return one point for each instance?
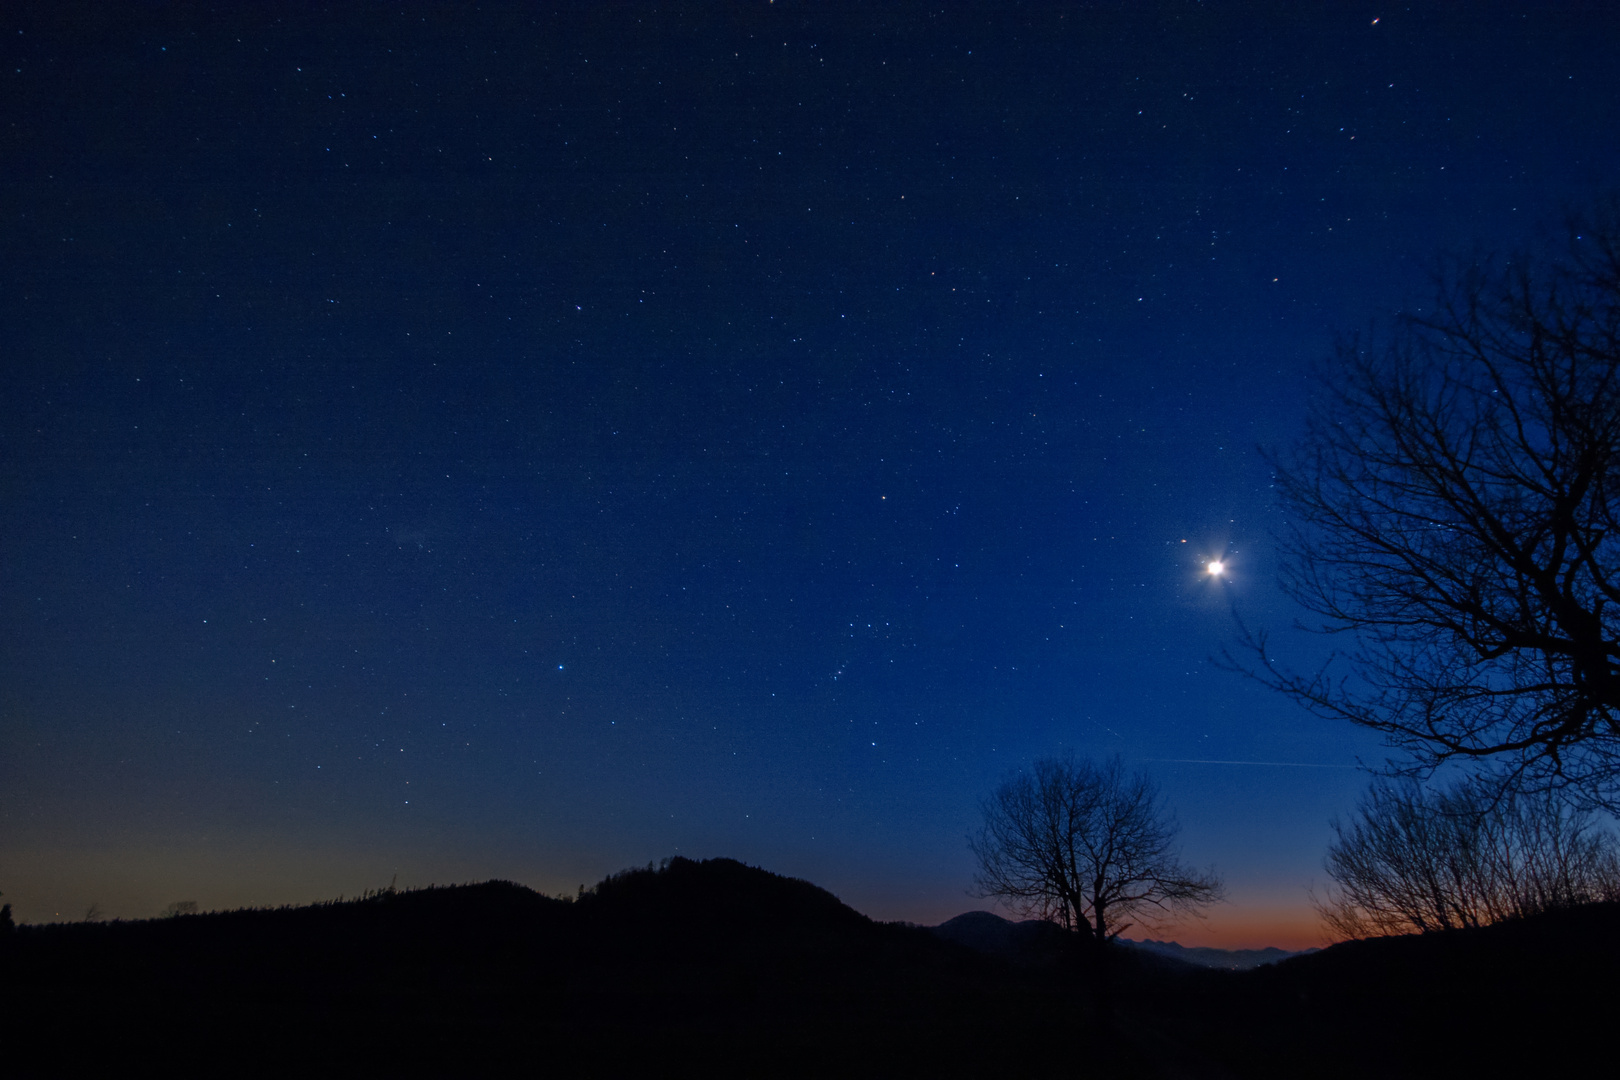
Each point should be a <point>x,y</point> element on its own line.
<point>725,969</point>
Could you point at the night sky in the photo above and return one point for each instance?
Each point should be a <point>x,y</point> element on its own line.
<point>458,443</point>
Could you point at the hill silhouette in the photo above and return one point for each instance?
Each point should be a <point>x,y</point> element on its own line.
<point>1033,942</point>
<point>735,969</point>
<point>722,968</point>
<point>1205,956</point>
<point>1027,943</point>
<point>1522,997</point>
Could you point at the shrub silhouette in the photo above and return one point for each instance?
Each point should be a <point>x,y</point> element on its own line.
<point>1470,854</point>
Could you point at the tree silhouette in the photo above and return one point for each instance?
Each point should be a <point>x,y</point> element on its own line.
<point>1454,509</point>
<point>1419,859</point>
<point>1085,846</point>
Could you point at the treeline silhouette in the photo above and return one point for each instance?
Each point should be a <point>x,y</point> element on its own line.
<point>731,968</point>
<point>726,969</point>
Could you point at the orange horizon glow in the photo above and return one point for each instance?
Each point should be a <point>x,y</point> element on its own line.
<point>1285,928</point>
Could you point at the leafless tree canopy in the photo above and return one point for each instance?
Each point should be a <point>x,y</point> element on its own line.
<point>1470,855</point>
<point>1453,511</point>
<point>1087,847</point>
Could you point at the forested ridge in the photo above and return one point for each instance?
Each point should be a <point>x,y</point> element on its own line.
<point>741,971</point>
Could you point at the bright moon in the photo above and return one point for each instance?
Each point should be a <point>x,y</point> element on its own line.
<point>1215,568</point>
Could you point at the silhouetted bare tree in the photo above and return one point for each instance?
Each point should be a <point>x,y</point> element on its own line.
<point>1418,859</point>
<point>1454,510</point>
<point>1085,846</point>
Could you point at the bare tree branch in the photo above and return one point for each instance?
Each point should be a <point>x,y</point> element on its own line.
<point>1453,511</point>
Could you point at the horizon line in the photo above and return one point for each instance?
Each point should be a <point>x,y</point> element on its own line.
<point>1279,764</point>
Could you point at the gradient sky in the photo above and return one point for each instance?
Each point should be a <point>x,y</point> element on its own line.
<point>524,443</point>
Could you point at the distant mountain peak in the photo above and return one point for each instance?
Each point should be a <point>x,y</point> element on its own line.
<point>1207,956</point>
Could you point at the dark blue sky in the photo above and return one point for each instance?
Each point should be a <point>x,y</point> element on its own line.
<point>525,443</point>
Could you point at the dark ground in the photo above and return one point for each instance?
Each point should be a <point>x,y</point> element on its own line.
<point>719,968</point>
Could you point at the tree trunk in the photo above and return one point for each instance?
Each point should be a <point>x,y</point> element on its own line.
<point>1102,982</point>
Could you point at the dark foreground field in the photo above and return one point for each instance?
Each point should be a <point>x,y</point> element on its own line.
<point>718,968</point>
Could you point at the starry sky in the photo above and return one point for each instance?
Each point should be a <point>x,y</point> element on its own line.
<point>518,442</point>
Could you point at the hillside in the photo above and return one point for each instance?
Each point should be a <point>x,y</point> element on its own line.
<point>1527,997</point>
<point>735,971</point>
<point>743,971</point>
